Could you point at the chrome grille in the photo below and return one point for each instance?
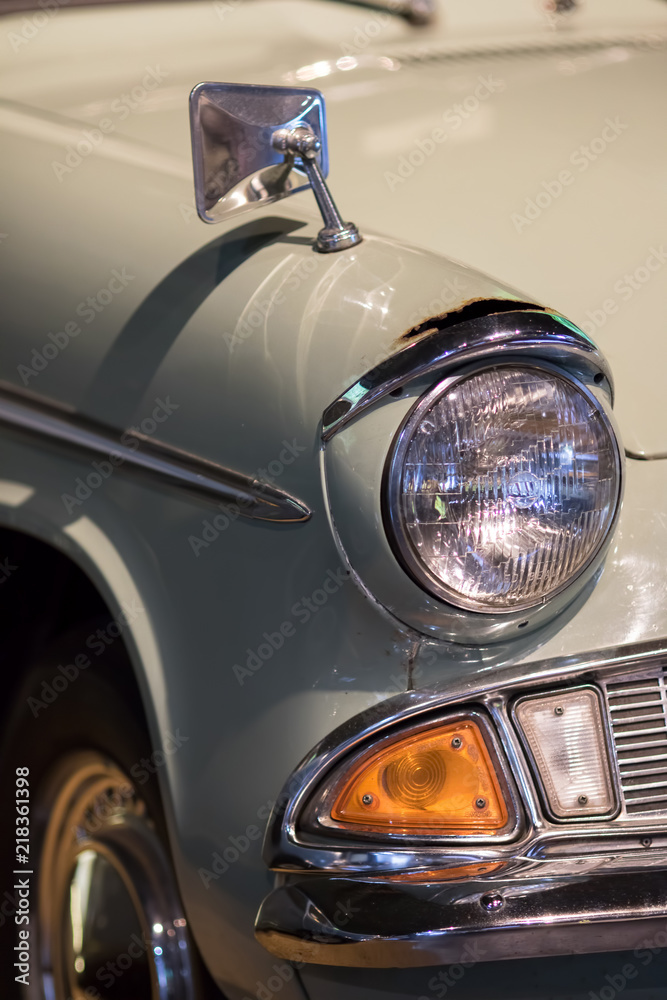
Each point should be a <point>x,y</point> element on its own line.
<point>638,714</point>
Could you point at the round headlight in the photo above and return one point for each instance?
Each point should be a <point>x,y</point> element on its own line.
<point>503,487</point>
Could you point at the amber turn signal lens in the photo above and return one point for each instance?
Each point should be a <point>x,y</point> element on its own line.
<point>437,780</point>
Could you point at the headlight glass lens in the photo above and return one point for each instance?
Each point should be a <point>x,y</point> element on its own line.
<point>506,487</point>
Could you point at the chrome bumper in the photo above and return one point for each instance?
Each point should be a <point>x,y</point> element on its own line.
<point>372,924</point>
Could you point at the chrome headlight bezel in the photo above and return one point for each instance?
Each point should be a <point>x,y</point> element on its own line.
<point>396,528</point>
<point>359,432</point>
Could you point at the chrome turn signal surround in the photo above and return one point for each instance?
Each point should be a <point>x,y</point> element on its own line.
<point>438,780</point>
<point>558,882</point>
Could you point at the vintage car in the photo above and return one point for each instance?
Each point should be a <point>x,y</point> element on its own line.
<point>334,571</point>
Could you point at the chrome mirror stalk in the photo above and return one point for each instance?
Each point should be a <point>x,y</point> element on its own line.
<point>302,142</point>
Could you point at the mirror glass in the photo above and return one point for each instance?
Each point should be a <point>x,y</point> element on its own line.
<point>235,165</point>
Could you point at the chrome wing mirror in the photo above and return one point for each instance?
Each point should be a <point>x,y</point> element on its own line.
<point>253,145</point>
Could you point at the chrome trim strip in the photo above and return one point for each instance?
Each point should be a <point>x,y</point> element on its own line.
<point>346,922</point>
<point>440,346</point>
<point>417,12</point>
<point>559,42</point>
<point>195,475</point>
<point>639,456</point>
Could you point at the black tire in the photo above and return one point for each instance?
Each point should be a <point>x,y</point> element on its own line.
<point>94,727</point>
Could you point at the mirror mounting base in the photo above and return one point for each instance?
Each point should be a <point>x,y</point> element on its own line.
<point>302,142</point>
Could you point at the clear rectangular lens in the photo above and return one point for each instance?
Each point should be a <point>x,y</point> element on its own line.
<point>567,738</point>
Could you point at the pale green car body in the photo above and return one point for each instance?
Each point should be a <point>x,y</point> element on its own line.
<point>176,345</point>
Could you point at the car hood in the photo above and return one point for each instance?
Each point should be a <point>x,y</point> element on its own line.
<point>533,152</point>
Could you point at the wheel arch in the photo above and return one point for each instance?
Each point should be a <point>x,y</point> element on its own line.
<point>54,586</point>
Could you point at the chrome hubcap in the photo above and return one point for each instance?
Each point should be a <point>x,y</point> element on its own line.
<point>110,922</point>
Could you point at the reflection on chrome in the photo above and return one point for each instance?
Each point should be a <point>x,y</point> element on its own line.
<point>235,164</point>
<point>106,897</point>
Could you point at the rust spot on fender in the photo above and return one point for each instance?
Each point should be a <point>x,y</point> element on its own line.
<point>472,309</point>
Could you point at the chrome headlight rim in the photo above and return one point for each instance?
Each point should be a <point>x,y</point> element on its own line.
<point>395,527</point>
